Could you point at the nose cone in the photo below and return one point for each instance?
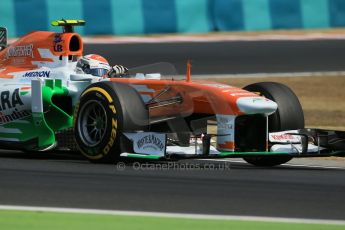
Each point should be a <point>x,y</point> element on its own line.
<point>256,105</point>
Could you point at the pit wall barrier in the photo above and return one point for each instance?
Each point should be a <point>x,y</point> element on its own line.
<point>128,17</point>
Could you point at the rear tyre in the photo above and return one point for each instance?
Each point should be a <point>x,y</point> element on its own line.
<point>289,116</point>
<point>104,112</point>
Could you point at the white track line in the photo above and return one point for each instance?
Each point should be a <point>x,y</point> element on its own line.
<point>263,75</point>
<point>208,37</point>
<point>212,38</point>
<point>170,215</point>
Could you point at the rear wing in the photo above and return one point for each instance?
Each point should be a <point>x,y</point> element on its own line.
<point>3,38</point>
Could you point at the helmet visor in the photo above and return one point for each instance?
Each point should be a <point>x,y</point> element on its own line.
<point>99,72</point>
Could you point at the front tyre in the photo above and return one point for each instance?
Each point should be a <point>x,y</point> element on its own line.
<point>104,112</point>
<point>289,116</point>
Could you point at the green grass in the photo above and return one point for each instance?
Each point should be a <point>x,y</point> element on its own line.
<point>30,220</point>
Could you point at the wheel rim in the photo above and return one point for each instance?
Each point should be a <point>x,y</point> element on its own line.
<point>92,123</point>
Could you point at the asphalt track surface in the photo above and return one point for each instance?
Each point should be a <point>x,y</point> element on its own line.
<point>231,57</point>
<point>286,191</point>
<point>203,187</point>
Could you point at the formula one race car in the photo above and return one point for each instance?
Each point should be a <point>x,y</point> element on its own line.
<point>148,113</point>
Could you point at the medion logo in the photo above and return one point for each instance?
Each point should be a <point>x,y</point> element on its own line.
<point>150,141</point>
<point>20,51</point>
<point>45,74</point>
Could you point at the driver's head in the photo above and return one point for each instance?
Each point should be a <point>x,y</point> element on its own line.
<point>93,64</point>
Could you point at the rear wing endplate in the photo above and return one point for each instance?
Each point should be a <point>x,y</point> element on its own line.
<point>3,38</point>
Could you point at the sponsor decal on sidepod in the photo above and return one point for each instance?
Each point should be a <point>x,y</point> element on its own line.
<point>10,99</point>
<point>44,74</point>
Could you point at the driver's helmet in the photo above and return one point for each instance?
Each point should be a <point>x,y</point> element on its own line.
<point>93,64</point>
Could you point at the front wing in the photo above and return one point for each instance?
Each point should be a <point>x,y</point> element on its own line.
<point>295,143</point>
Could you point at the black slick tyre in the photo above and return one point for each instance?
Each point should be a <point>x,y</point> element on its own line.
<point>104,112</point>
<point>289,116</point>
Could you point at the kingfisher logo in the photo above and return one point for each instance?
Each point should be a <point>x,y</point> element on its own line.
<point>44,74</point>
<point>20,51</point>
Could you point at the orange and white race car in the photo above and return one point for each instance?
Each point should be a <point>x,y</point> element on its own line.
<point>147,112</point>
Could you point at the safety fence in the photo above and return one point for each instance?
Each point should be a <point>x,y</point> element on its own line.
<point>124,17</point>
